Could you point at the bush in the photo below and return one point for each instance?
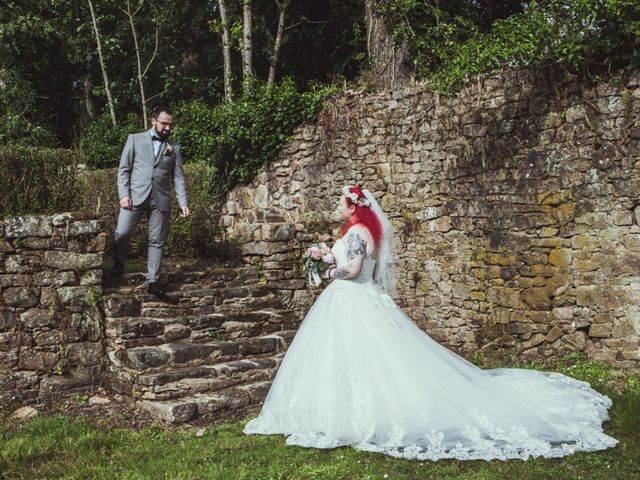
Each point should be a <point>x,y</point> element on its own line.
<point>449,47</point>
<point>197,235</point>
<point>17,105</point>
<point>237,138</point>
<point>102,142</point>
<point>37,180</point>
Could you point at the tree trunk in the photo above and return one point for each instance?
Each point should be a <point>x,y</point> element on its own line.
<point>282,7</point>
<point>103,65</point>
<point>141,73</point>
<point>226,51</point>
<point>389,61</point>
<point>247,45</point>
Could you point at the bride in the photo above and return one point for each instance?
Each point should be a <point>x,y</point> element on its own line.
<point>360,373</point>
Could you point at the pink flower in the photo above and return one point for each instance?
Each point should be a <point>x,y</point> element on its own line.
<point>316,253</point>
<point>329,258</point>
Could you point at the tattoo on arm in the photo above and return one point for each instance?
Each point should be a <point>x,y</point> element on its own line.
<point>341,273</point>
<point>355,245</point>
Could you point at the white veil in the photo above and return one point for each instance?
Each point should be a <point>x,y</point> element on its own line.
<point>385,274</point>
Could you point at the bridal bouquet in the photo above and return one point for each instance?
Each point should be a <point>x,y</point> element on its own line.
<point>316,260</point>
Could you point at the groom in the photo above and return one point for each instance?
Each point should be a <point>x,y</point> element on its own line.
<point>148,164</point>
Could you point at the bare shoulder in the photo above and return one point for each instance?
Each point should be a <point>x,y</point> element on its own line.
<point>361,231</point>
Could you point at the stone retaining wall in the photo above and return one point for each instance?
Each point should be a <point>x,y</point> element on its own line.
<point>515,205</point>
<point>50,321</point>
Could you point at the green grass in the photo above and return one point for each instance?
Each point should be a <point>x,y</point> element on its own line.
<point>60,448</point>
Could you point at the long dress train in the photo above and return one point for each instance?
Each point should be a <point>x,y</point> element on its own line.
<point>359,372</point>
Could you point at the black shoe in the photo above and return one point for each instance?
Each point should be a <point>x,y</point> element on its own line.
<point>154,289</point>
<point>117,269</point>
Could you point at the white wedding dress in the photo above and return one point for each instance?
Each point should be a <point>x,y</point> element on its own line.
<point>360,373</point>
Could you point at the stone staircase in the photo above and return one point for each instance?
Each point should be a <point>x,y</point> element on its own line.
<point>209,347</point>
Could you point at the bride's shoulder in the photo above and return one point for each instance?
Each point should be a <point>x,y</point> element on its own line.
<point>358,231</point>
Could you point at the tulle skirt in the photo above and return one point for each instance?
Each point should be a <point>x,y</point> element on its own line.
<point>360,373</point>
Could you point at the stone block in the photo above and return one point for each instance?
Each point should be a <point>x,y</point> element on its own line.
<point>21,297</point>
<point>55,278</point>
<point>15,280</point>
<point>83,227</point>
<point>72,261</point>
<point>278,232</point>
<point>600,330</point>
<point>87,353</point>
<point>121,306</point>
<point>32,359</point>
<point>171,412</point>
<point>73,295</point>
<point>560,257</point>
<point>505,297</point>
<point>48,338</point>
<point>603,297</point>
<point>23,263</point>
<point>71,381</point>
<point>92,277</point>
<point>48,297</point>
<point>35,318</point>
<point>537,298</point>
<point>140,358</point>
<point>28,226</point>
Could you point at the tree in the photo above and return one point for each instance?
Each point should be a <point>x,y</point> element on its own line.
<point>226,51</point>
<point>103,66</point>
<point>282,9</point>
<point>388,57</point>
<point>247,42</point>
<point>131,14</point>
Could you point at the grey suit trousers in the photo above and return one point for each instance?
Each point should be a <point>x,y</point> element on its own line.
<point>158,229</point>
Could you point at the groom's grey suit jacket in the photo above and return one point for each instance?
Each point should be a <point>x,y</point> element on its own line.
<point>140,172</point>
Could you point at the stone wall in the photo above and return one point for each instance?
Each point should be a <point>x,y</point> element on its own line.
<point>515,205</point>
<point>50,322</point>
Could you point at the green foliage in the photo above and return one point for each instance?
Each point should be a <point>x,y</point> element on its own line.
<point>37,180</point>
<point>103,142</point>
<point>237,138</point>
<point>197,235</point>
<point>450,45</point>
<point>17,107</point>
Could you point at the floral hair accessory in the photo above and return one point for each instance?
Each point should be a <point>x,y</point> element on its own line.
<point>355,199</point>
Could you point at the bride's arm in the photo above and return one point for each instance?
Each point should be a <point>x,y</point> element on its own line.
<point>356,241</point>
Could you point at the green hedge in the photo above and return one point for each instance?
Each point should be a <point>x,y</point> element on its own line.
<point>102,142</point>
<point>237,138</point>
<point>197,235</point>
<point>37,180</point>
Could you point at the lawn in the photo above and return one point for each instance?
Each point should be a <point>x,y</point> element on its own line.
<point>58,447</point>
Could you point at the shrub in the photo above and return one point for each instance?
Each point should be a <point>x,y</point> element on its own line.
<point>449,47</point>
<point>37,180</point>
<point>237,138</point>
<point>197,235</point>
<point>102,142</point>
<point>17,106</point>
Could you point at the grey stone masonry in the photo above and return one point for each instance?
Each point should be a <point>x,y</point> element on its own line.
<point>516,206</point>
<point>211,345</point>
<point>51,340</point>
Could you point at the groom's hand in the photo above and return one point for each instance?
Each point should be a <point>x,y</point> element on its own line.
<point>125,202</point>
<point>184,212</point>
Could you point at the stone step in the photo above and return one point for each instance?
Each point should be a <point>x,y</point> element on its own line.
<point>129,332</point>
<point>180,382</point>
<point>219,403</point>
<point>155,358</point>
<point>176,275</point>
<point>184,302</point>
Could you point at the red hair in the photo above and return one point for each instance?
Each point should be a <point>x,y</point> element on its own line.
<point>364,216</point>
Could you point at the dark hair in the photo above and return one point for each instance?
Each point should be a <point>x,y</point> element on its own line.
<point>158,109</point>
